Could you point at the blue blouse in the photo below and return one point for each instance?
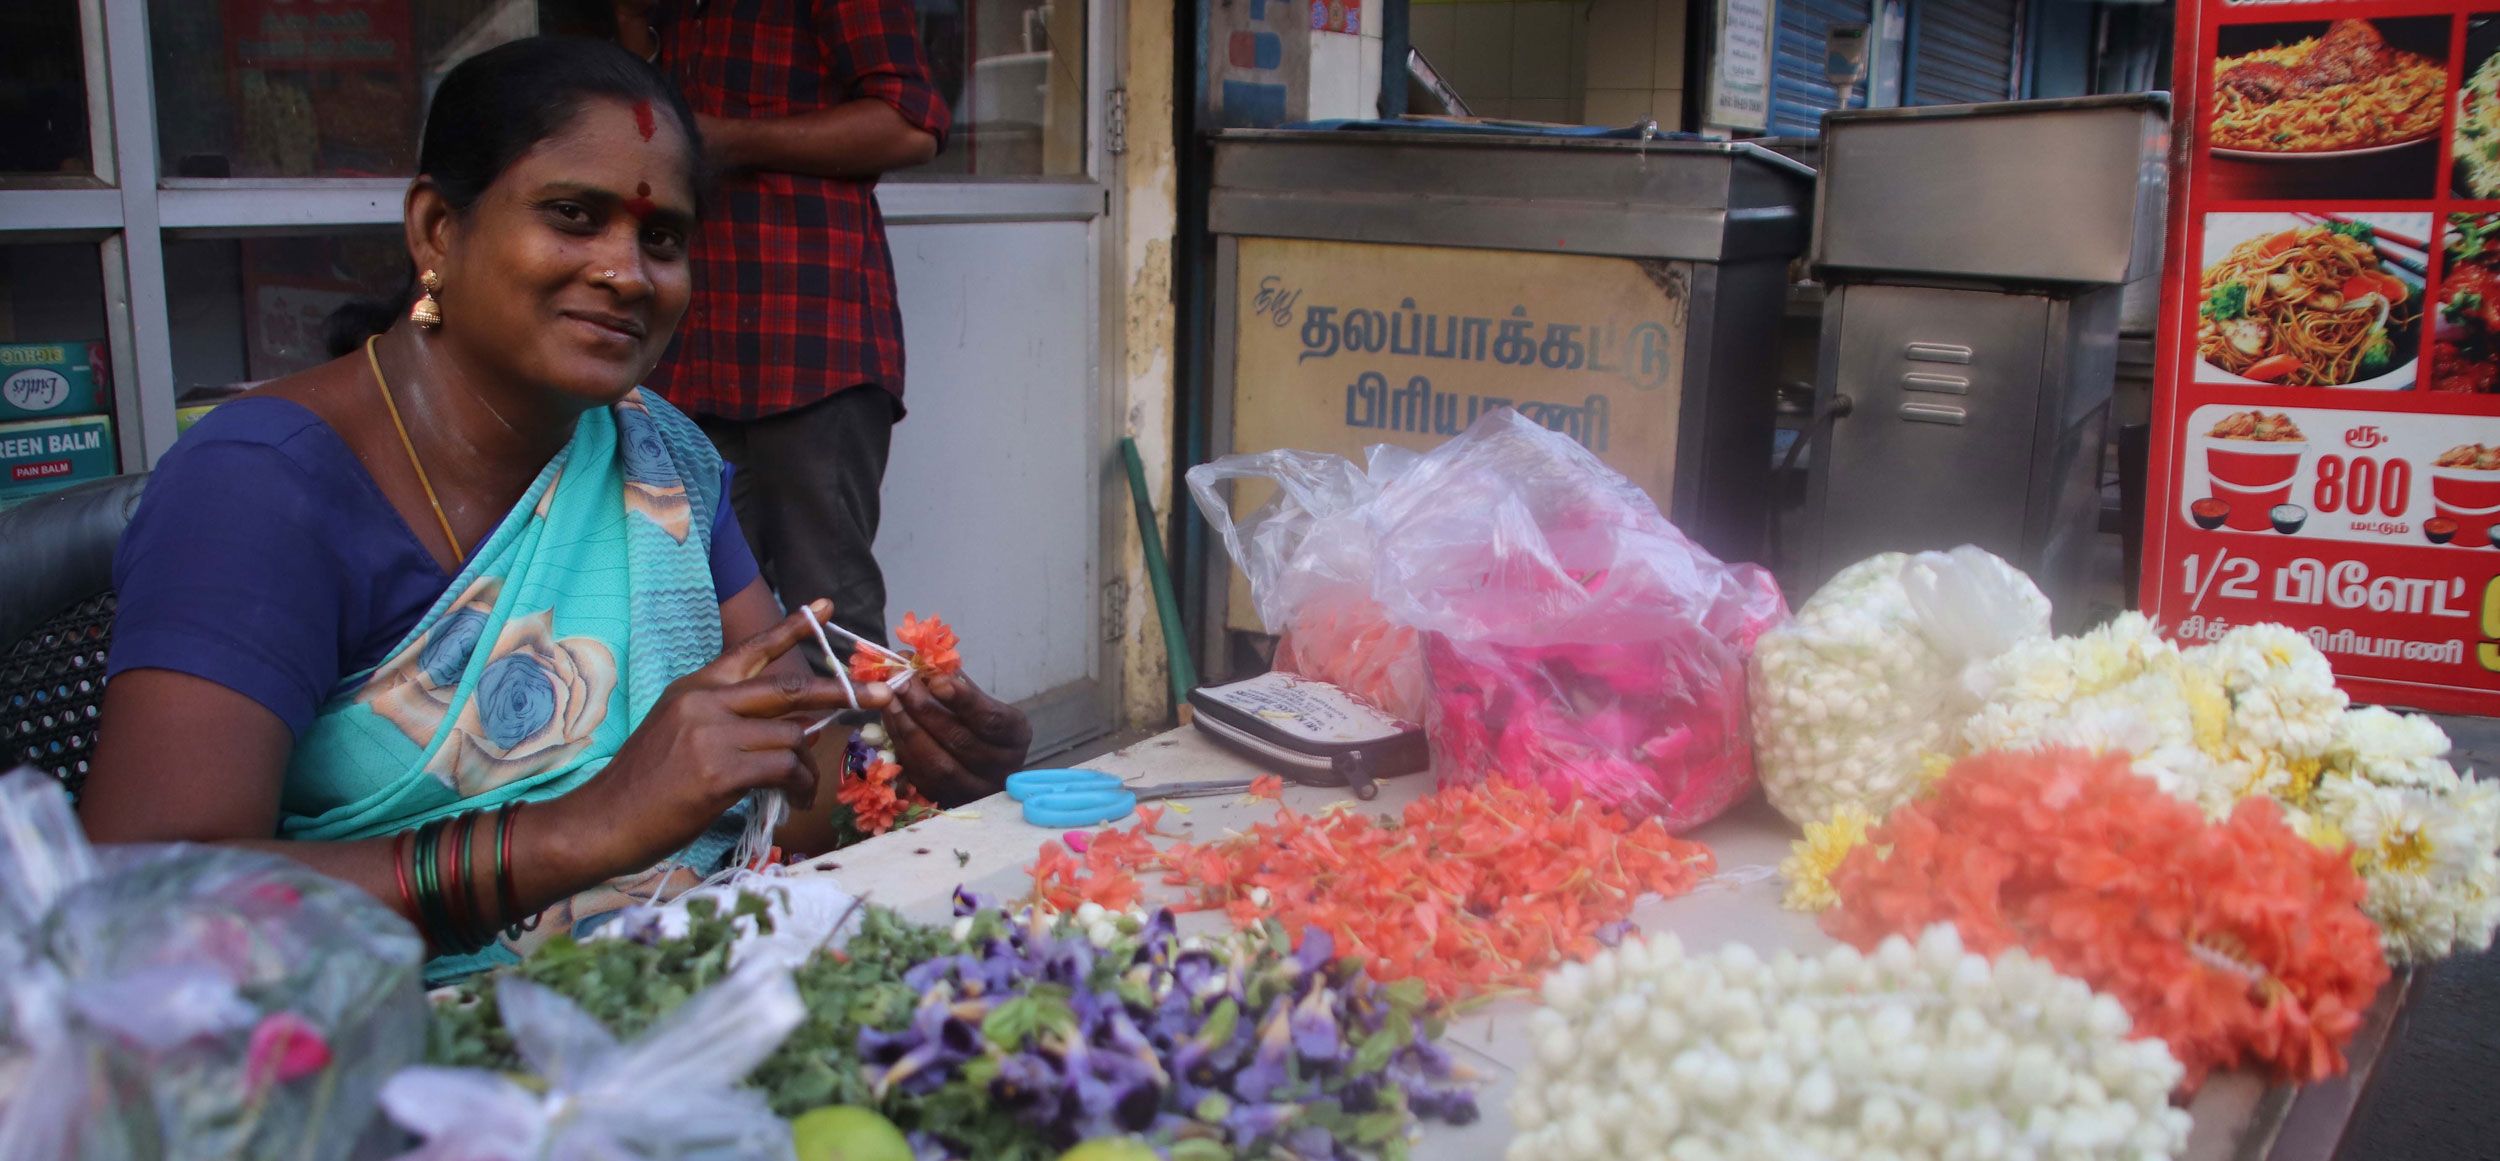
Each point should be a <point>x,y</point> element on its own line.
<point>264,558</point>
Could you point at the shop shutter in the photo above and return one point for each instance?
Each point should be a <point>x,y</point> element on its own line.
<point>1799,94</point>
<point>1963,51</point>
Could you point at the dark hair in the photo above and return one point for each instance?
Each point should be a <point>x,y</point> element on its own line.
<point>498,105</point>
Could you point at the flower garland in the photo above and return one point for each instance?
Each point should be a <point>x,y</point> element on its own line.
<point>1474,888</point>
<point>872,788</point>
<point>1910,1051</point>
<point>2234,941</point>
<point>2257,714</point>
<point>1808,868</point>
<point>1865,680</point>
<point>1861,698</point>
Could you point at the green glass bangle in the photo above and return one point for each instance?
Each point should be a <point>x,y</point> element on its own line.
<point>457,898</point>
<point>429,884</point>
<point>477,931</point>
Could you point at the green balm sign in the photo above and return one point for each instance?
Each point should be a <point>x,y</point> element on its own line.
<point>49,455</point>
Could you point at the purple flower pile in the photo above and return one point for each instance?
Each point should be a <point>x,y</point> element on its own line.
<point>1033,1037</point>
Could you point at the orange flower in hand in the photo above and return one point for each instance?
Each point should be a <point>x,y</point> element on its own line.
<point>932,645</point>
<point>932,650</point>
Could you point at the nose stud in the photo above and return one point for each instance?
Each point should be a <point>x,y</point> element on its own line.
<point>608,274</point>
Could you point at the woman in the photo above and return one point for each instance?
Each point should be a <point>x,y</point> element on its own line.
<point>371,610</point>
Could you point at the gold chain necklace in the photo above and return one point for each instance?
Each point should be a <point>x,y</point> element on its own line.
<point>423,481</point>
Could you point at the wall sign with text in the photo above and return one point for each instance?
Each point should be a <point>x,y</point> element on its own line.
<point>1341,345</point>
<point>2326,424</point>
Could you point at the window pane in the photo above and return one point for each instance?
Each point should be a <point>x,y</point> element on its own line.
<point>43,90</point>
<point>56,387</point>
<point>1014,73</point>
<point>249,309</point>
<point>310,88</point>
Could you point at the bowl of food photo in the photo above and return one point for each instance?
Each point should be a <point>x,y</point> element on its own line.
<point>2294,300</point>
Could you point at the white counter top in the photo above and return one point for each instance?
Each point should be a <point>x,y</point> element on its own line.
<point>988,847</point>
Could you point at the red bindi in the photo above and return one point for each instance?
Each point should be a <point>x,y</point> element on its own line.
<point>640,204</point>
<point>642,120</point>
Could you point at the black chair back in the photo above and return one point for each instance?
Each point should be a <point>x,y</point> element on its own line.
<point>56,623</point>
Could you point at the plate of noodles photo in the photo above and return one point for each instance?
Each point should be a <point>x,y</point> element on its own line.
<point>2312,300</point>
<point>2347,89</point>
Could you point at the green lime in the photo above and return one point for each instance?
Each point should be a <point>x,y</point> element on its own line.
<point>1110,1149</point>
<point>847,1133</point>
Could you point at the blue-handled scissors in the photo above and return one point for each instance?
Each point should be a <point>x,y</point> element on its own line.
<point>1068,798</point>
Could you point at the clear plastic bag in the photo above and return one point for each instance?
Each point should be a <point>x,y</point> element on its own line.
<point>1570,635</point>
<point>1307,554</point>
<point>1877,674</point>
<point>189,1002</point>
<point>671,1095</point>
<point>804,916</point>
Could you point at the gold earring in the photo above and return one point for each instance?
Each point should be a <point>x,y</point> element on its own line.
<point>427,313</point>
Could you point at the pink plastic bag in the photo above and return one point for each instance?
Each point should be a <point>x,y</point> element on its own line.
<point>1571,636</point>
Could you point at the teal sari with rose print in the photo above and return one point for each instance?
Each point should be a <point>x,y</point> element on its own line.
<point>527,675</point>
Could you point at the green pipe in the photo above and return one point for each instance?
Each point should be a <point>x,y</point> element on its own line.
<point>1168,607</point>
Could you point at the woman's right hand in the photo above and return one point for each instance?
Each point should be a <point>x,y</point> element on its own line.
<point>734,726</point>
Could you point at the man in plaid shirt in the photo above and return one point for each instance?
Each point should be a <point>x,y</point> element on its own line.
<point>791,355</point>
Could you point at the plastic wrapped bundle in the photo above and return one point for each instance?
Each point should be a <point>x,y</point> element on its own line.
<point>190,1002</point>
<point>1566,633</point>
<point>1878,672</point>
<point>1308,555</point>
<point>1575,639</point>
<point>670,1094</point>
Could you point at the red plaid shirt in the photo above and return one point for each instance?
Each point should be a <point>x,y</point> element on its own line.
<point>793,284</point>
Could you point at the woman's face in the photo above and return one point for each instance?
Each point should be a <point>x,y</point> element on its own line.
<point>569,273</point>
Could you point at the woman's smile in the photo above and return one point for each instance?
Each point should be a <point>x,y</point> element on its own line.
<point>607,329</point>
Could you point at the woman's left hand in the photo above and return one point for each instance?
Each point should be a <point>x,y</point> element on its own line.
<point>955,742</point>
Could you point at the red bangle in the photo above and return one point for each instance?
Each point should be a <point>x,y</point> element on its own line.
<point>505,892</point>
<point>399,871</point>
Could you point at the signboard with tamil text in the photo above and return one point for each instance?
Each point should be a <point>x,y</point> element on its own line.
<point>1340,345</point>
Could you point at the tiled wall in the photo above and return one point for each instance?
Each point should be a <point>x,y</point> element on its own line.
<point>1609,62</point>
<point>1635,63</point>
<point>1520,59</point>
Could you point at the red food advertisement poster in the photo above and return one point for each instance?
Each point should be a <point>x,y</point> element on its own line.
<point>2326,419</point>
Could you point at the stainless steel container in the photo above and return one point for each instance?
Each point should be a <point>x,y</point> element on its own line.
<point>2054,192</point>
<point>1977,258</point>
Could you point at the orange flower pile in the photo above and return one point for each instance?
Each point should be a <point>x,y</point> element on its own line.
<point>1105,872</point>
<point>2234,941</point>
<point>1477,888</point>
<point>879,798</point>
<point>932,645</point>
